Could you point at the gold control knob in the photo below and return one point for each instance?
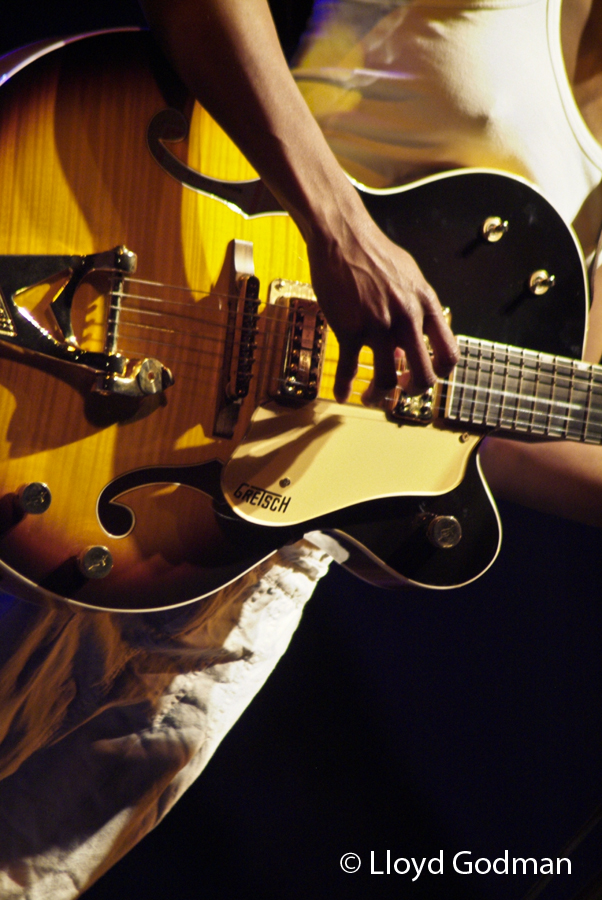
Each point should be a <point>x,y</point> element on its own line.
<point>541,281</point>
<point>95,562</point>
<point>494,228</point>
<point>444,532</point>
<point>34,498</point>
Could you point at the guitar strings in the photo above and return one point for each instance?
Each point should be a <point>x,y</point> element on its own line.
<point>278,315</point>
<point>505,394</point>
<point>509,370</point>
<point>147,334</point>
<point>506,371</point>
<point>506,365</point>
<point>556,410</point>
<point>115,316</point>
<point>203,294</point>
<point>220,295</point>
<point>568,409</point>
<point>506,368</point>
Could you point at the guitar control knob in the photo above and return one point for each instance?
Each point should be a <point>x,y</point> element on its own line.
<point>95,562</point>
<point>540,282</point>
<point>34,498</point>
<point>494,228</point>
<point>444,532</point>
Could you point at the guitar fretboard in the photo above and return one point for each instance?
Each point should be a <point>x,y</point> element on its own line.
<point>500,386</point>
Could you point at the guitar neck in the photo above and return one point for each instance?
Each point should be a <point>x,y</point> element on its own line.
<point>508,388</point>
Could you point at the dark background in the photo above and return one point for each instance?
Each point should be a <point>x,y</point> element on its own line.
<point>415,722</point>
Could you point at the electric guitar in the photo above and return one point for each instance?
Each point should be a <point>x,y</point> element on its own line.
<point>166,409</point>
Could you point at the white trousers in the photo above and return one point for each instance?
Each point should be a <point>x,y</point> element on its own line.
<point>106,718</point>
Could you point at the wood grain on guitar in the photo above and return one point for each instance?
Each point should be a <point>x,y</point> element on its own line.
<point>185,426</point>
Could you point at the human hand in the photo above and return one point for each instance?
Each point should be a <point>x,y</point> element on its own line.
<point>373,294</point>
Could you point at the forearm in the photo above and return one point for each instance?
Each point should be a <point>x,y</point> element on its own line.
<point>560,477</point>
<point>228,53</point>
<point>371,291</point>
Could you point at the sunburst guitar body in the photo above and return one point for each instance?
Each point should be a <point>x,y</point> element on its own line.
<point>166,410</point>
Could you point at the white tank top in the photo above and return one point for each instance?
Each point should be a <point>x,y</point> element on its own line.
<point>403,88</point>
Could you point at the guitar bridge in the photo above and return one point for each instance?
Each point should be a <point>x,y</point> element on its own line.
<point>299,370</point>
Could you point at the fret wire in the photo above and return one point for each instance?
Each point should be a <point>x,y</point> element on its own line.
<point>504,387</point>
<point>474,416</point>
<point>466,373</point>
<point>569,418</point>
<point>461,391</point>
<point>551,404</point>
<point>514,421</point>
<point>477,378</point>
<point>503,382</point>
<point>534,403</point>
<point>540,427</point>
<point>451,386</point>
<point>552,414</point>
<point>556,419</point>
<point>588,397</point>
<point>466,387</point>
<point>449,411</point>
<point>584,407</point>
<point>593,429</point>
<point>474,373</point>
<point>520,382</point>
<point>596,401</point>
<point>489,389</point>
<point>526,386</point>
<point>475,395</point>
<point>489,370</point>
<point>556,415</point>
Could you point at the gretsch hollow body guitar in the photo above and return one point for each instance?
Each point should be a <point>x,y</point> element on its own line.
<point>166,409</point>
